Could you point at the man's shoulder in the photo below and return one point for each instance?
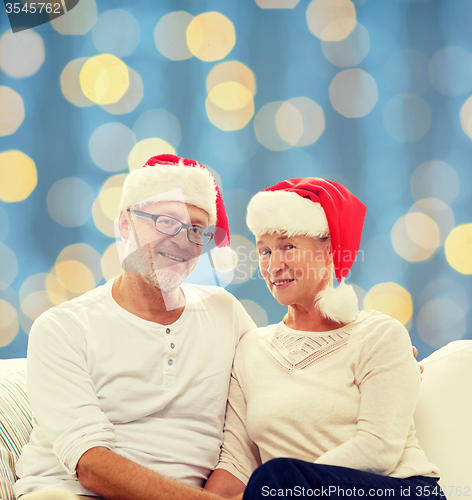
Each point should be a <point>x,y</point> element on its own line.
<point>83,302</point>
<point>209,293</point>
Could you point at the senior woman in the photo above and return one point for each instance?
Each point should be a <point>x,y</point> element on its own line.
<point>329,387</point>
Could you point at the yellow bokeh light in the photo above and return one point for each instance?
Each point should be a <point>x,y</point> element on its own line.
<point>12,111</point>
<point>9,325</point>
<point>331,20</point>
<point>466,117</point>
<point>111,264</point>
<point>231,71</point>
<point>75,276</point>
<point>289,123</point>
<point>132,97</point>
<point>110,201</point>
<point>439,212</point>
<point>210,36</point>
<point>391,299</point>
<point>146,149</point>
<point>415,237</point>
<point>458,248</point>
<point>70,83</point>
<point>353,93</point>
<point>104,79</point>
<point>229,120</point>
<point>18,176</point>
<point>230,96</point>
<point>55,289</point>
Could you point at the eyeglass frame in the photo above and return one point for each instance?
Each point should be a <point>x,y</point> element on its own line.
<point>187,227</point>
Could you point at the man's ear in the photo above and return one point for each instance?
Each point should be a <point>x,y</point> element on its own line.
<point>124,225</point>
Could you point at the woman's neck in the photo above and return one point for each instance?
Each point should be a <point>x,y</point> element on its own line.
<point>309,320</point>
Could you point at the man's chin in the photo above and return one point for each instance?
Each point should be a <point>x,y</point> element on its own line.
<point>164,280</point>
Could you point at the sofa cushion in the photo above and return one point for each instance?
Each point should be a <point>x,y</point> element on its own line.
<point>443,416</point>
<point>15,428</point>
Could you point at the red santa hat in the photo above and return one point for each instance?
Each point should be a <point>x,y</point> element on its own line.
<point>166,174</point>
<point>315,207</point>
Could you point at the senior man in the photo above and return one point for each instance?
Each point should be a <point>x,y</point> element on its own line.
<point>128,382</point>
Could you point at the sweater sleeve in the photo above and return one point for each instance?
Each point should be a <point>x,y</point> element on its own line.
<point>388,378</point>
<point>62,392</point>
<point>239,455</point>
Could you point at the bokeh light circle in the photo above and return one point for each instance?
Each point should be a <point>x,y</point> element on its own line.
<point>86,255</point>
<point>9,267</point>
<point>131,98</point>
<point>18,176</point>
<point>300,121</point>
<point>331,20</point>
<point>439,212</point>
<point>21,54</point>
<point>12,111</point>
<point>435,179</point>
<point>170,35</point>
<point>450,71</point>
<point>70,83</point>
<point>116,32</point>
<point>407,72</point>
<point>466,117</point>
<point>407,117</point>
<point>265,127</point>
<point>277,4</point>
<point>210,36</point>
<point>391,299</point>
<point>146,149</point>
<point>415,237</point>
<point>69,201</point>
<point>353,93</point>
<point>348,52</point>
<point>229,120</point>
<point>230,96</point>
<point>458,248</point>
<point>105,207</point>
<point>111,265</point>
<point>110,146</point>
<point>440,321</point>
<point>9,324</point>
<point>158,123</point>
<point>231,71</point>
<point>75,276</point>
<point>77,21</point>
<point>104,79</point>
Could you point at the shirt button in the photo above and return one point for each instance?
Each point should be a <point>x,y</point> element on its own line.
<point>167,330</point>
<point>171,361</point>
<point>172,346</point>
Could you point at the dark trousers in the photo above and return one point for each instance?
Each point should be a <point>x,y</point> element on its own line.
<point>287,478</point>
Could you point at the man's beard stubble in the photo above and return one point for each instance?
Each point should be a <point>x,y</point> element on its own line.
<point>142,261</point>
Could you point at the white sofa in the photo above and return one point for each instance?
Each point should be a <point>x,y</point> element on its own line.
<point>443,418</point>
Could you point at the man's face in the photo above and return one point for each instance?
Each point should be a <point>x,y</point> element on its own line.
<point>163,261</point>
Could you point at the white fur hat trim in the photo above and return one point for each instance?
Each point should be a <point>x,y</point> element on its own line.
<point>282,211</point>
<point>339,304</point>
<point>196,184</point>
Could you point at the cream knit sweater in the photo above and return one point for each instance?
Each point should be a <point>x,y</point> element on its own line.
<point>344,397</point>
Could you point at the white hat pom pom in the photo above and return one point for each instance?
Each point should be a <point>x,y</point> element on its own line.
<point>338,304</point>
<point>223,260</point>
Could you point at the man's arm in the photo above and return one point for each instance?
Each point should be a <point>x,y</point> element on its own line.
<point>116,478</point>
<point>224,483</point>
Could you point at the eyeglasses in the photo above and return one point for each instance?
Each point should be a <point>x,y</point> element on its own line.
<point>171,227</point>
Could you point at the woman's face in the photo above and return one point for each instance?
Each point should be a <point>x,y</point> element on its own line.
<point>295,268</point>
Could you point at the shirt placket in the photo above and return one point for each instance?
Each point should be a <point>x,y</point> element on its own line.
<point>170,357</point>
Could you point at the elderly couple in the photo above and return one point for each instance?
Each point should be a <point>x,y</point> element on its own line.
<point>132,383</point>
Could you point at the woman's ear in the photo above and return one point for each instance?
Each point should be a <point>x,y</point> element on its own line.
<point>123,225</point>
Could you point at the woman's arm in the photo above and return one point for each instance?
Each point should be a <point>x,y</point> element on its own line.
<point>388,379</point>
